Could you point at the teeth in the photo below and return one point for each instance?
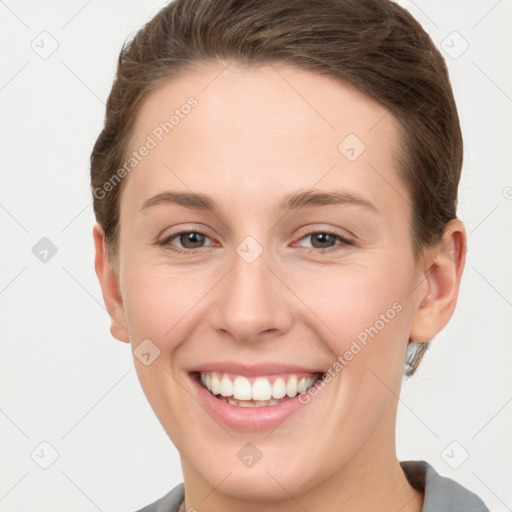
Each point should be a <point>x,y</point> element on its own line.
<point>250,403</point>
<point>226,387</point>
<point>242,389</point>
<point>301,386</point>
<point>261,390</point>
<point>291,386</point>
<point>215,389</point>
<point>279,388</point>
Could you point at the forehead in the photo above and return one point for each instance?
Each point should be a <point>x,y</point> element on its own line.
<point>274,126</point>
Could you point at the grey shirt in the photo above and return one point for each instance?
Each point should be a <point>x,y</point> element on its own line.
<point>442,494</point>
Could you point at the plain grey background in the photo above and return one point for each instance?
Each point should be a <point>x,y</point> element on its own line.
<point>76,432</point>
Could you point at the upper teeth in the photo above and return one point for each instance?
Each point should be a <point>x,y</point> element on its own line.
<point>240,387</point>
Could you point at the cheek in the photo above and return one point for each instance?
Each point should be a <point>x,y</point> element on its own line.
<point>341,303</point>
<point>366,319</point>
<point>158,302</point>
<point>355,303</point>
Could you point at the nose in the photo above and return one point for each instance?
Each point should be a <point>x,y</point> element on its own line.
<point>253,302</point>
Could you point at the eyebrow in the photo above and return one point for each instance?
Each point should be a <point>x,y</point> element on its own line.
<point>295,201</point>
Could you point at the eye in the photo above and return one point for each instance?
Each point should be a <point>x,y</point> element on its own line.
<point>190,240</point>
<point>325,240</point>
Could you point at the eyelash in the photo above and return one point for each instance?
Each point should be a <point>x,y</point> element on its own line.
<point>344,241</point>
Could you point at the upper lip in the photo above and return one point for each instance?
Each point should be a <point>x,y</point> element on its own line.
<point>253,369</point>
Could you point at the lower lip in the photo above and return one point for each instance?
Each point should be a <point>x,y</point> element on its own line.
<point>246,418</point>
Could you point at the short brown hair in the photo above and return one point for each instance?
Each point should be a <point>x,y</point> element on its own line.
<point>375,45</point>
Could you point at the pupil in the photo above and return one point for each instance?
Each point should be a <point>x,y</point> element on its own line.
<point>325,236</point>
<point>192,238</point>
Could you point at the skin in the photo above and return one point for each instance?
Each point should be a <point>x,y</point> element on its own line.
<point>252,139</point>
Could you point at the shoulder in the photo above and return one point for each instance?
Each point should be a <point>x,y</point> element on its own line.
<point>441,493</point>
<point>168,503</point>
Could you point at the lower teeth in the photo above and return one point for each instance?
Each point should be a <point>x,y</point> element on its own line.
<point>250,403</point>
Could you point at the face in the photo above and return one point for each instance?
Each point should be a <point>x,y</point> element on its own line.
<point>298,261</point>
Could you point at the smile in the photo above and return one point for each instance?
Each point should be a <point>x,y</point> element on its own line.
<point>255,391</point>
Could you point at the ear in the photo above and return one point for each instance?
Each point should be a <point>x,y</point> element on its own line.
<point>109,287</point>
<point>442,271</point>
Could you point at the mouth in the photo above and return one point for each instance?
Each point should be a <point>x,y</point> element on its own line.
<point>255,391</point>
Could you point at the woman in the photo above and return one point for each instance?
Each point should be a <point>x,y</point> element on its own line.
<point>275,191</point>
